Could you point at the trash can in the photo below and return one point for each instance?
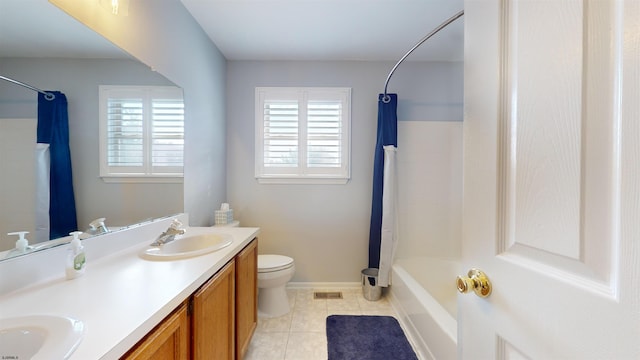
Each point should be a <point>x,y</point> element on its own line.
<point>370,289</point>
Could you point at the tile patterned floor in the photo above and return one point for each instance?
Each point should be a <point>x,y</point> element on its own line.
<point>300,334</point>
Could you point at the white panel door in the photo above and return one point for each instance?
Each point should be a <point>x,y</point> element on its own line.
<point>552,179</point>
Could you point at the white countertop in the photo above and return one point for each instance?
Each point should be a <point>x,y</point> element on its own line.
<point>121,297</point>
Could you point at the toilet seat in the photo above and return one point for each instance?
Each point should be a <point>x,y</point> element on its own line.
<point>271,263</point>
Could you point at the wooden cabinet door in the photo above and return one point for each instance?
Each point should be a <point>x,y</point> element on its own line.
<point>246,296</point>
<point>213,316</point>
<point>167,341</point>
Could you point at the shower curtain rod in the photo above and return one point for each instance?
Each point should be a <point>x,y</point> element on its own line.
<point>47,95</point>
<point>386,98</point>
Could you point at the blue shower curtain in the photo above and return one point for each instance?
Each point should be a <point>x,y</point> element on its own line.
<point>387,135</point>
<point>53,129</point>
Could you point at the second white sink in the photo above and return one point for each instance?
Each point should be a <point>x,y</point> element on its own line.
<point>39,337</point>
<point>188,246</point>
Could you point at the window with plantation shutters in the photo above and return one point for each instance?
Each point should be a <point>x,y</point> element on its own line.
<point>141,133</point>
<point>303,135</point>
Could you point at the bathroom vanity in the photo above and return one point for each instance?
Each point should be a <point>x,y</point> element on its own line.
<point>216,322</point>
<point>135,308</point>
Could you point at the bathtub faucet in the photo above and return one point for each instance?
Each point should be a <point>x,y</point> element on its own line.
<point>170,234</point>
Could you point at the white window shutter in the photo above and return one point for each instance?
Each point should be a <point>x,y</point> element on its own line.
<point>280,136</point>
<point>302,135</point>
<point>141,133</point>
<point>167,134</point>
<point>324,134</point>
<point>125,133</point>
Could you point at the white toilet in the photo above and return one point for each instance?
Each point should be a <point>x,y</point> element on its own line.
<point>274,272</point>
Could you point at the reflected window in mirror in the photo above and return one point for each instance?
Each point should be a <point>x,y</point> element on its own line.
<point>141,133</point>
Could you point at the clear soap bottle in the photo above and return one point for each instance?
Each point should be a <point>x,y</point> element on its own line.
<point>22,244</point>
<point>76,259</point>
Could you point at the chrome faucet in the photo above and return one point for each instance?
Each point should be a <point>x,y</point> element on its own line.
<point>97,227</point>
<point>170,234</point>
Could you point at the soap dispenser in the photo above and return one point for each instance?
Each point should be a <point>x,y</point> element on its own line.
<point>22,244</point>
<point>75,257</point>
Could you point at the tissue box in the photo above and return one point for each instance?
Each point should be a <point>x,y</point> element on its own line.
<point>223,217</point>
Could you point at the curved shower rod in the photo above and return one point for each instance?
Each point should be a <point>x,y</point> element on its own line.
<point>47,95</point>
<point>386,98</point>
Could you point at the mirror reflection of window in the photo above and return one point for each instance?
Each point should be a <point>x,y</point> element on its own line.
<point>141,133</point>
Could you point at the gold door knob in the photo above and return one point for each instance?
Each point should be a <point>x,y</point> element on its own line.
<point>475,280</point>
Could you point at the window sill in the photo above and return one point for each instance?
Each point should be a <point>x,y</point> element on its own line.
<point>143,179</point>
<point>302,181</point>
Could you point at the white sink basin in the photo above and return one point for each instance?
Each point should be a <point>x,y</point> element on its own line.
<point>187,246</point>
<point>39,337</point>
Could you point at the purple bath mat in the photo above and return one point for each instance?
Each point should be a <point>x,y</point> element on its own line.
<point>356,337</point>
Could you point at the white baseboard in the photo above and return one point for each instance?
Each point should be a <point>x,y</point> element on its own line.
<point>322,285</point>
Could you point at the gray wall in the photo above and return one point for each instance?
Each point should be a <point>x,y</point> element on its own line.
<point>79,79</point>
<point>325,228</point>
<point>163,35</point>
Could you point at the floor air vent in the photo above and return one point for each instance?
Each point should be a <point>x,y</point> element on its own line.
<point>327,295</point>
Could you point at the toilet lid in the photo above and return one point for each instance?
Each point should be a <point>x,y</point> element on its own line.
<point>268,263</point>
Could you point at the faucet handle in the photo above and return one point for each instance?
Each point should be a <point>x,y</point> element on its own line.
<point>97,227</point>
<point>176,224</point>
<point>95,224</point>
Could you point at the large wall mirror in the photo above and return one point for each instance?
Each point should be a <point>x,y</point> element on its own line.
<point>52,60</point>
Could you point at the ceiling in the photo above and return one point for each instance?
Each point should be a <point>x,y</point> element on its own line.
<point>370,30</point>
<point>325,30</point>
<point>36,28</point>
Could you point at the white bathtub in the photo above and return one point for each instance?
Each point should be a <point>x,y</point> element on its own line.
<point>423,292</point>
